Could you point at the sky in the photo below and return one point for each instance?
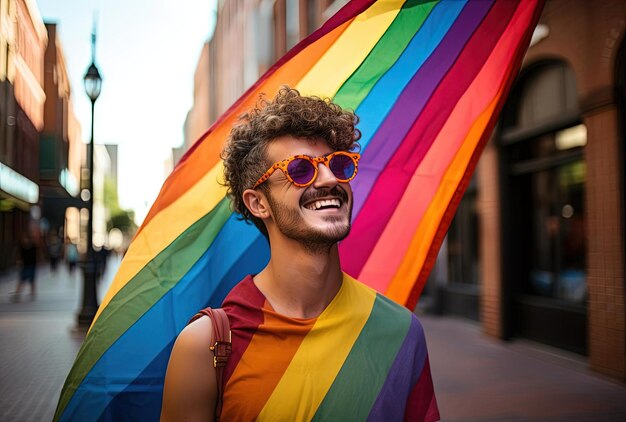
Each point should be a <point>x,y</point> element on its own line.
<point>147,52</point>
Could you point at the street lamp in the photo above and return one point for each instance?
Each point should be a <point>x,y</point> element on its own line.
<point>93,84</point>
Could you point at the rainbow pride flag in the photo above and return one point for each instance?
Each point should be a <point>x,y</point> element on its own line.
<point>427,79</point>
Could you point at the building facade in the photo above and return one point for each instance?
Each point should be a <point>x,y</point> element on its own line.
<point>23,40</point>
<point>199,116</point>
<point>60,148</point>
<point>40,147</point>
<point>536,249</point>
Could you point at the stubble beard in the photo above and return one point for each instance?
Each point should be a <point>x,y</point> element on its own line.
<point>292,225</point>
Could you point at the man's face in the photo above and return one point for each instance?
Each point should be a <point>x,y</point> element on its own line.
<point>319,215</point>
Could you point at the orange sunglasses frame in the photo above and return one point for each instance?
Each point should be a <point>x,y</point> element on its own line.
<point>283,165</point>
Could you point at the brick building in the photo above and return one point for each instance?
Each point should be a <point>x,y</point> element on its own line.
<point>61,147</point>
<point>40,146</point>
<point>23,40</point>
<point>537,246</point>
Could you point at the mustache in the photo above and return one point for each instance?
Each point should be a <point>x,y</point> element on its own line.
<point>337,191</point>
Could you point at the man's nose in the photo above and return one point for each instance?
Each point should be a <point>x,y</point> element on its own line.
<point>325,177</point>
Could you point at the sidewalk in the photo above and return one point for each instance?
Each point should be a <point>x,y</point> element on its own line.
<point>39,341</point>
<point>476,378</point>
<point>479,378</point>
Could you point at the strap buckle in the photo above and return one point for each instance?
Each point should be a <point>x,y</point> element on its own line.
<point>221,352</point>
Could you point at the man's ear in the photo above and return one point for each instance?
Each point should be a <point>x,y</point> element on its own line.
<point>256,203</point>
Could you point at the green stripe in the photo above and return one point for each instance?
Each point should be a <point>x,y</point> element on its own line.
<point>385,53</point>
<point>365,370</point>
<point>153,281</point>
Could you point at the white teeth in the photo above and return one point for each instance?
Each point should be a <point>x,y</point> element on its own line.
<point>324,203</point>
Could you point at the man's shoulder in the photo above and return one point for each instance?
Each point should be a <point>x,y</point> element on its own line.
<point>196,335</point>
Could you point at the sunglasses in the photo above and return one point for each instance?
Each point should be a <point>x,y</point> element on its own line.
<point>301,170</point>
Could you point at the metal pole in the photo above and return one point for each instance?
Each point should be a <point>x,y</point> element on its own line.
<point>90,185</point>
<point>90,301</point>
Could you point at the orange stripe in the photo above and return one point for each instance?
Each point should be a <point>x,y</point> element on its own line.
<point>208,151</point>
<point>267,356</point>
<point>407,273</point>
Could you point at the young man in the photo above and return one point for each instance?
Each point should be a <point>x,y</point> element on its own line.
<point>309,342</point>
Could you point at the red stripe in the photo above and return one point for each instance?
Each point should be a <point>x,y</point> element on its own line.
<point>249,316</point>
<point>422,405</point>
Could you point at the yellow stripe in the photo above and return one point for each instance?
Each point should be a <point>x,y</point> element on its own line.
<point>344,57</point>
<point>321,355</point>
<point>413,261</point>
<point>166,226</point>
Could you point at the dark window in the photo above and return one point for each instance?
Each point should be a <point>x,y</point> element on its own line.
<point>463,242</point>
<point>544,141</point>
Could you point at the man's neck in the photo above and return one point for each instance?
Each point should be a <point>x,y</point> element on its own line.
<point>297,282</point>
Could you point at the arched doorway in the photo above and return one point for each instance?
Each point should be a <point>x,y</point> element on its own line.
<point>543,173</point>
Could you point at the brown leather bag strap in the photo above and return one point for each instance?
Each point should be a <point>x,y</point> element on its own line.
<point>221,347</point>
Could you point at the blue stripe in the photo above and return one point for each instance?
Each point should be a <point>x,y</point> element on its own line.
<point>238,250</point>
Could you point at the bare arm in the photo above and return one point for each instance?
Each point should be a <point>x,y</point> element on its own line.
<point>190,389</point>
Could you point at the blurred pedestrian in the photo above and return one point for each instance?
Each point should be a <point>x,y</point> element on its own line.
<point>100,257</point>
<point>71,255</point>
<point>55,251</point>
<point>28,264</point>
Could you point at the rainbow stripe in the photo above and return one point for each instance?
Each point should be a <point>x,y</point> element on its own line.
<point>427,79</point>
<point>317,367</point>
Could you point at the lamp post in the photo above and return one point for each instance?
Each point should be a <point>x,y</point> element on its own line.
<point>93,84</point>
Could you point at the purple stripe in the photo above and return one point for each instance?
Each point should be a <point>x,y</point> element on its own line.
<point>413,99</point>
<point>392,398</point>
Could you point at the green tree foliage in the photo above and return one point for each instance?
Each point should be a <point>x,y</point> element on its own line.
<point>110,196</point>
<point>120,218</point>
<point>123,220</point>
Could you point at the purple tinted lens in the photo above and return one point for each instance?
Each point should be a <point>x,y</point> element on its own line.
<point>342,167</point>
<point>301,171</point>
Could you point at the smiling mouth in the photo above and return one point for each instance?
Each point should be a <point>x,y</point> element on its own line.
<point>323,204</point>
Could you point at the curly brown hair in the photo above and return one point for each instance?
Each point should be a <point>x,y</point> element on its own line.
<point>289,113</point>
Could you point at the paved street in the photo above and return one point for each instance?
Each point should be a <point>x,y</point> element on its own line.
<point>39,341</point>
<point>476,378</point>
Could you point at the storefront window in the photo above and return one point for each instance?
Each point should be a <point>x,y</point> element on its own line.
<point>462,240</point>
<point>549,175</point>
<point>558,224</point>
<point>545,139</point>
